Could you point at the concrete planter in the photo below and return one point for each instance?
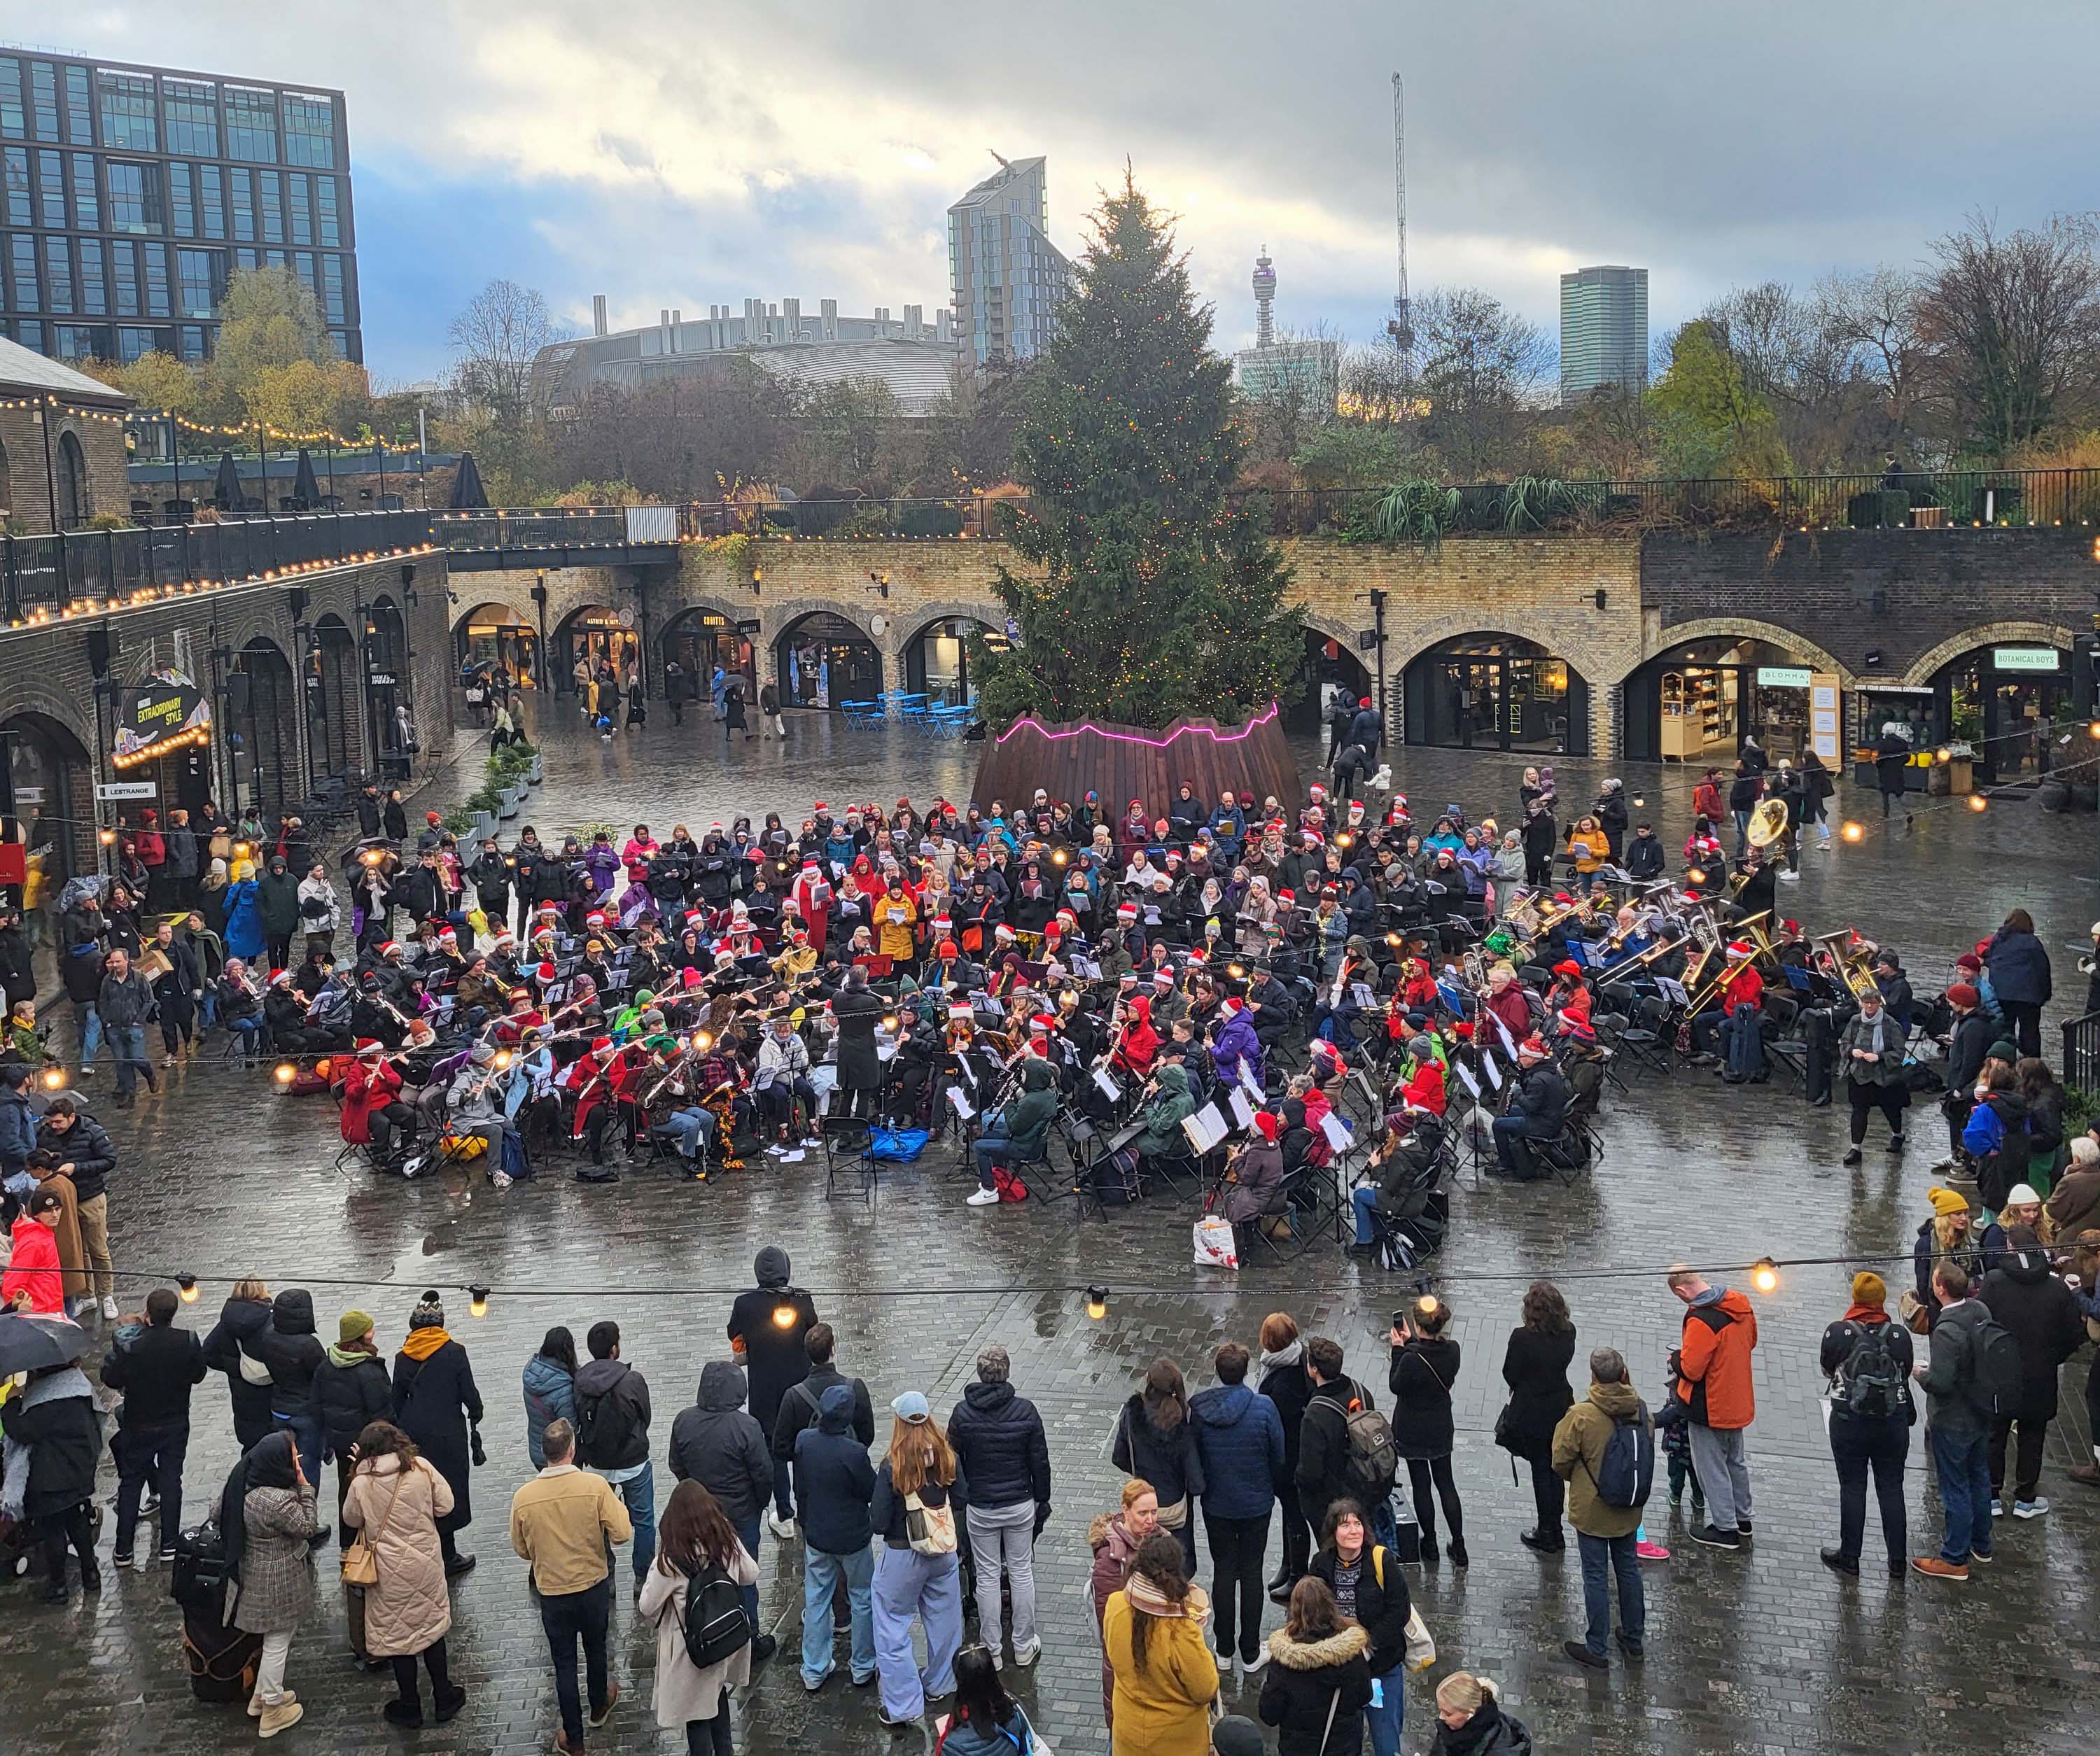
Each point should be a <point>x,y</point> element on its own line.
<point>483,825</point>
<point>533,774</point>
<point>512,798</point>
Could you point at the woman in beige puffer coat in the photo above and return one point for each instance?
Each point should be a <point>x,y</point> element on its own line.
<point>397,1498</point>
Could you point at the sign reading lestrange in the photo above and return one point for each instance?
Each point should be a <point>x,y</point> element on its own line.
<point>164,713</point>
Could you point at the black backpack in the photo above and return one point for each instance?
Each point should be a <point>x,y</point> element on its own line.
<point>1868,1383</point>
<point>1628,1474</point>
<point>716,1628</point>
<point>603,1425</point>
<point>1994,1362</point>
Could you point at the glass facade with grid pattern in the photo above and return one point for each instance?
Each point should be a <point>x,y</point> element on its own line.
<point>125,189</point>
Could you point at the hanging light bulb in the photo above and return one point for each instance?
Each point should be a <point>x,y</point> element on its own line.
<point>1978,802</point>
<point>186,1288</point>
<point>1097,1302</point>
<point>1764,1275</point>
<point>477,1301</point>
<point>1852,832</point>
<point>286,1072</point>
<point>55,1078</point>
<point>1696,874</point>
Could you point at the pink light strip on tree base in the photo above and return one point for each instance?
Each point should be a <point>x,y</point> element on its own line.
<point>1153,744</point>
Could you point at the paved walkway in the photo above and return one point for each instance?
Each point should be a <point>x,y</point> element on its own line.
<point>1762,1651</point>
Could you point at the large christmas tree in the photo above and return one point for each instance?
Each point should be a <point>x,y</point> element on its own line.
<point>1154,599</point>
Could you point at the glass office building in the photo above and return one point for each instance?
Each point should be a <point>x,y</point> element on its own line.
<point>1603,331</point>
<point>132,193</point>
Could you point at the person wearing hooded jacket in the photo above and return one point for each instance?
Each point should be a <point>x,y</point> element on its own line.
<point>999,1440</point>
<point>2041,1314</point>
<point>228,1348</point>
<point>1316,1690</point>
<point>612,1436</point>
<point>1238,1438</point>
<point>351,1391</point>
<point>1018,1133</point>
<point>717,1445</point>
<point>776,1355</point>
<point>834,1483</point>
<point>289,1348</point>
<point>1152,1442</point>
<point>1607,1534</point>
<point>435,1403</point>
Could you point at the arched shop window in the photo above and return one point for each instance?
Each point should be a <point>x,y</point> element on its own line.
<point>1490,691</point>
<point>48,773</point>
<point>494,635</point>
<point>263,728</point>
<point>823,659</point>
<point>936,660</point>
<point>701,639</point>
<point>334,714</point>
<point>605,638</point>
<point>388,704</point>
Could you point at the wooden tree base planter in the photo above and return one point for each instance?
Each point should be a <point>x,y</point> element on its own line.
<point>1125,762</point>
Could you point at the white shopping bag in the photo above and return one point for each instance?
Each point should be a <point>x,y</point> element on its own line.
<point>1216,1245</point>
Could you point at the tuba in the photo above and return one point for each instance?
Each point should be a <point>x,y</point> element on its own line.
<point>1767,823</point>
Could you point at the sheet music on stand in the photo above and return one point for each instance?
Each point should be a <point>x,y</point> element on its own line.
<point>961,1105</point>
<point>556,994</point>
<point>1086,968</point>
<point>1105,1083</point>
<point>1673,990</point>
<point>969,1073</point>
<point>1488,1067</point>
<point>1205,1129</point>
<point>1502,1031</point>
<point>1466,1079</point>
<point>1361,993</point>
<point>1242,1111</point>
<point>1338,1133</point>
<point>1248,1084</point>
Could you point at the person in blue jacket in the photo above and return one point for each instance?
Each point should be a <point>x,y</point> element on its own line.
<point>244,914</point>
<point>2018,964</point>
<point>1238,1435</point>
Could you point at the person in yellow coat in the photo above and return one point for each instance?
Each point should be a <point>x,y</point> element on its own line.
<point>1165,1676</point>
<point>896,915</point>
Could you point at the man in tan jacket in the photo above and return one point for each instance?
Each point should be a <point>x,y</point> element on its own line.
<point>1606,1533</point>
<point>561,1522</point>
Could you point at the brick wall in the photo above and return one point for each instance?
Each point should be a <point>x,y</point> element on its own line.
<point>48,681</point>
<point>24,480</point>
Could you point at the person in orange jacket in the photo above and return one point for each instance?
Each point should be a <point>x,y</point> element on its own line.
<point>1712,1366</point>
<point>34,1281</point>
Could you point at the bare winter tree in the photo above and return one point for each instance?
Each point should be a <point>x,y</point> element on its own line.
<point>1795,357</point>
<point>1482,369</point>
<point>2011,321</point>
<point>1875,315</point>
<point>496,339</point>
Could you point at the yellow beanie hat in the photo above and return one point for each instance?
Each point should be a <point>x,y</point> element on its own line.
<point>1947,1201</point>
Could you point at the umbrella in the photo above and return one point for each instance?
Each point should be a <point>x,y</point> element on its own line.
<point>226,490</point>
<point>467,491</point>
<point>305,489</point>
<point>27,1343</point>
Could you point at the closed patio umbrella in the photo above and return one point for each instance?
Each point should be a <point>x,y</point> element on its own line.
<point>468,494</point>
<point>305,489</point>
<point>226,488</point>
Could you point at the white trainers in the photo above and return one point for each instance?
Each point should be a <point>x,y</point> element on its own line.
<point>1224,1662</point>
<point>2030,1508</point>
<point>110,1307</point>
<point>782,1527</point>
<point>982,1197</point>
<point>1250,1666</point>
<point>499,1179</point>
<point>1026,1656</point>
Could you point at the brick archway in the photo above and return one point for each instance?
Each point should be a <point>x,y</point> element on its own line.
<point>1403,648</point>
<point>1743,627</point>
<point>1986,634</point>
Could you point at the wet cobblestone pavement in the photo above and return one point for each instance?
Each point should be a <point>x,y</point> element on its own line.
<point>1759,1651</point>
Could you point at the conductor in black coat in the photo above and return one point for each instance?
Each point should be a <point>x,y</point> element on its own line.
<point>859,1011</point>
<point>434,1404</point>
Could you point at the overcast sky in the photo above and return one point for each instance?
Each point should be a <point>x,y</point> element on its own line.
<point>693,153</point>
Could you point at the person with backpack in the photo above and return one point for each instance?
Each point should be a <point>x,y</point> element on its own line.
<point>1345,1446</point>
<point>612,1436</point>
<point>1604,1449</point>
<point>1370,1589</point>
<point>717,1444</point>
<point>916,1576</point>
<point>1712,1366</point>
<point>2041,1314</point>
<point>1962,1381</point>
<point>1423,1373</point>
<point>705,1640</point>
<point>1868,1360</point>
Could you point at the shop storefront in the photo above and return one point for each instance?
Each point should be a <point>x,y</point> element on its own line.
<point>47,791</point>
<point>1698,702</point>
<point>938,663</point>
<point>389,711</point>
<point>162,738</point>
<point>2009,703</point>
<point>605,639</point>
<point>823,659</point>
<point>493,636</point>
<point>335,749</point>
<point>1495,692</point>
<point>700,640</point>
<point>263,741</point>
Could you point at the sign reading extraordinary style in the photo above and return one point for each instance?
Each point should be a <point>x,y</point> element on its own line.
<point>164,713</point>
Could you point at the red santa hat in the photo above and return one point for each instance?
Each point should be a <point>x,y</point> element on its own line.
<point>447,937</point>
<point>1738,949</point>
<point>1286,896</point>
<point>810,864</point>
<point>820,806</point>
<point>1002,932</point>
<point>601,1045</point>
<point>505,938</point>
<point>596,918</point>
<point>960,1012</point>
<point>1066,918</point>
<point>1042,1022</point>
<point>715,828</point>
<point>1233,1002</point>
<point>1267,1123</point>
<point>1533,1047</point>
<point>1317,793</point>
<point>545,971</point>
<point>1164,977</point>
<point>1126,911</point>
<point>370,1045</point>
<point>387,948</point>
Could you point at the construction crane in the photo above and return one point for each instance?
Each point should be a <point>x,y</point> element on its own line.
<point>1401,328</point>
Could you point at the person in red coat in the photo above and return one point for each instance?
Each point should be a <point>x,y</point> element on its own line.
<point>1424,1089</point>
<point>33,1284</point>
<point>372,1107</point>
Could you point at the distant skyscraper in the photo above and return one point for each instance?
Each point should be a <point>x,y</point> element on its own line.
<point>1264,296</point>
<point>1274,370</point>
<point>1603,331</point>
<point>1008,276</point>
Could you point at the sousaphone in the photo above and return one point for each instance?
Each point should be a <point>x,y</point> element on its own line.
<point>1767,823</point>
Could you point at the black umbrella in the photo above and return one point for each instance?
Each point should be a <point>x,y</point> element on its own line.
<point>305,489</point>
<point>467,491</point>
<point>226,490</point>
<point>28,1343</point>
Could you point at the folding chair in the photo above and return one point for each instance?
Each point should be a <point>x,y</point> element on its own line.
<point>1567,1154</point>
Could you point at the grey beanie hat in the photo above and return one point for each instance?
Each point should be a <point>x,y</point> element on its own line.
<point>772,1266</point>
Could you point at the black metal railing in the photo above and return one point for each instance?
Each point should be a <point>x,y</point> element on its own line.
<point>532,527</point>
<point>2082,1054</point>
<point>47,573</point>
<point>1909,499</point>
